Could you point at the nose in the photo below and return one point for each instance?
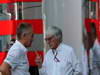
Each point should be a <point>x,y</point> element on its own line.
<point>31,39</point>
<point>47,41</point>
<point>32,36</point>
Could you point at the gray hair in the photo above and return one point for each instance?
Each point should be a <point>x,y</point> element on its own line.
<point>53,30</point>
<point>23,28</point>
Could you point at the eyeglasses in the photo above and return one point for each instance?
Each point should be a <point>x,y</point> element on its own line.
<point>49,38</point>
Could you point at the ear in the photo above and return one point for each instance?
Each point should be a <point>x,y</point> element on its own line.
<point>23,35</point>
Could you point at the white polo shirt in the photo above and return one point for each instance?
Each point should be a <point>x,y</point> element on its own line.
<point>17,59</point>
<point>65,64</point>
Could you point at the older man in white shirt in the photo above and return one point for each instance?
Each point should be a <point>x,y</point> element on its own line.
<point>16,62</point>
<point>60,59</point>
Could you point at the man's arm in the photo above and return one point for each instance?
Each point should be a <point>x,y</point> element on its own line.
<point>38,61</point>
<point>41,66</point>
<point>76,64</point>
<point>5,69</point>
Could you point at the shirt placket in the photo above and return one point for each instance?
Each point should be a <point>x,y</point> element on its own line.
<point>55,64</point>
<point>54,68</point>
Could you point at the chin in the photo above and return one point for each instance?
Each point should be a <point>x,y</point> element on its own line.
<point>28,45</point>
<point>52,47</point>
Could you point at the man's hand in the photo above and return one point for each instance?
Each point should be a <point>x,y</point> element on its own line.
<point>38,60</point>
<point>5,69</point>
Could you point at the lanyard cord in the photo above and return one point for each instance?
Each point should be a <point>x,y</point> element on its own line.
<point>55,56</point>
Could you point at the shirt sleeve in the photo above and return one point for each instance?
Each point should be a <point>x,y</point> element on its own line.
<point>13,58</point>
<point>42,71</point>
<point>96,50</point>
<point>84,62</point>
<point>75,64</point>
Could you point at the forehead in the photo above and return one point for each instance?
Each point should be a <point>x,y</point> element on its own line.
<point>29,30</point>
<point>49,35</point>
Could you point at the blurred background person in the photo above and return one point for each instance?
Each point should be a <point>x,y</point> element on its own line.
<point>96,50</point>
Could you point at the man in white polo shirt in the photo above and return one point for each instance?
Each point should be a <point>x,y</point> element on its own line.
<point>16,62</point>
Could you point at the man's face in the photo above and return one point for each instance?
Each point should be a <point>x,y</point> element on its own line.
<point>28,38</point>
<point>52,41</point>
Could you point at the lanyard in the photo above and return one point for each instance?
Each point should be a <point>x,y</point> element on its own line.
<point>55,53</point>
